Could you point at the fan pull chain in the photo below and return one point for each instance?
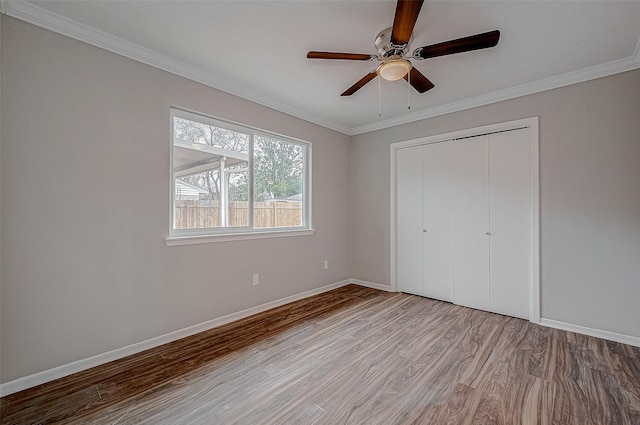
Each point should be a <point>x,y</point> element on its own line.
<point>409,90</point>
<point>379,96</point>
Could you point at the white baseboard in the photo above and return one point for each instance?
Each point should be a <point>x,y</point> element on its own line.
<point>610,336</point>
<point>373,285</point>
<point>97,360</point>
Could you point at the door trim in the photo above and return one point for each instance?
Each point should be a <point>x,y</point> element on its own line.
<point>532,124</point>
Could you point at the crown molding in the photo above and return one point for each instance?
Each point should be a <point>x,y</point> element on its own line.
<point>36,15</point>
<point>43,18</point>
<point>567,79</point>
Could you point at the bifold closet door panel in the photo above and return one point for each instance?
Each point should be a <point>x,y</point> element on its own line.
<point>409,219</point>
<point>437,232</point>
<point>510,200</point>
<point>471,223</point>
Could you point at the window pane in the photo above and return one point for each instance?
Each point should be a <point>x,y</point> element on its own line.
<point>278,169</point>
<point>191,132</point>
<point>210,166</point>
<point>239,198</point>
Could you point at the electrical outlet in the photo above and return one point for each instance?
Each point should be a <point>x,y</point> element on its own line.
<point>326,264</point>
<point>256,279</point>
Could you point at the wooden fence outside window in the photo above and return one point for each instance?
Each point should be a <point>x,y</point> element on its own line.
<point>198,215</point>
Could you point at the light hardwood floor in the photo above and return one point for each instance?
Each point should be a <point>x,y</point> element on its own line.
<point>354,356</point>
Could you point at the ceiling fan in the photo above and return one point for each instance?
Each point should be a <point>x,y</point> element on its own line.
<point>393,46</point>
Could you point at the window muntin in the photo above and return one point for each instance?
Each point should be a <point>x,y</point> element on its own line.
<point>231,178</point>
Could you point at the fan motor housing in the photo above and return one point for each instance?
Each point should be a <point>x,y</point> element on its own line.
<point>386,49</point>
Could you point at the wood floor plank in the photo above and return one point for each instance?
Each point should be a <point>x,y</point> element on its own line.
<point>354,356</point>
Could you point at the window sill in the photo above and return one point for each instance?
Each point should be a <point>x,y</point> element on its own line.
<point>226,237</point>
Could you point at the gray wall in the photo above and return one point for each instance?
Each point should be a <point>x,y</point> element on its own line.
<point>0,198</point>
<point>85,199</point>
<point>589,197</point>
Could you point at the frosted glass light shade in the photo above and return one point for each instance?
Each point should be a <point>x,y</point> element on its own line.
<point>394,69</point>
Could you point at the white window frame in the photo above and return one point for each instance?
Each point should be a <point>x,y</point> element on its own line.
<point>221,234</point>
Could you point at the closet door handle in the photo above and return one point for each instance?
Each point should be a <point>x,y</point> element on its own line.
<point>424,230</point>
<point>488,233</point>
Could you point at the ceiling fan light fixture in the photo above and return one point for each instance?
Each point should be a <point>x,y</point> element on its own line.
<point>394,69</point>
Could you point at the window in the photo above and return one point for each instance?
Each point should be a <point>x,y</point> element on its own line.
<point>228,178</point>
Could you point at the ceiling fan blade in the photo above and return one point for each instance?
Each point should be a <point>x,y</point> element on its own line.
<point>419,81</point>
<point>357,86</point>
<point>405,19</point>
<point>465,44</point>
<point>336,55</point>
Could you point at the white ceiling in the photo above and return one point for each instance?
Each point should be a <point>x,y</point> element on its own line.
<point>257,49</point>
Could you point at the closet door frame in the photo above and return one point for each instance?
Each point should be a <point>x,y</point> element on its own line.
<point>532,125</point>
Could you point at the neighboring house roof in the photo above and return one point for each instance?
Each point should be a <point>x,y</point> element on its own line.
<point>184,189</point>
<point>297,197</point>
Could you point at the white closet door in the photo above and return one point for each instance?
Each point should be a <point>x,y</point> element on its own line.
<point>471,223</point>
<point>510,199</point>
<point>409,219</point>
<point>437,236</point>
